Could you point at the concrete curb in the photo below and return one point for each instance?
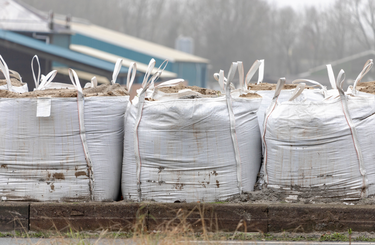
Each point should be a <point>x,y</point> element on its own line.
<point>157,216</point>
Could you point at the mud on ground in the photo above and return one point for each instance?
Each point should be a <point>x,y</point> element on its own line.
<point>273,196</point>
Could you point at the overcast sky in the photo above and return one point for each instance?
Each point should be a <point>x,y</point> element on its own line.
<point>297,4</point>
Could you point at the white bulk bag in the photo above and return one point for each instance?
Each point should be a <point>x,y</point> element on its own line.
<point>61,149</point>
<point>204,149</point>
<point>321,147</point>
<point>9,86</point>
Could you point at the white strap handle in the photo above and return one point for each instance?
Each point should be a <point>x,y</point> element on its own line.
<point>116,71</point>
<point>279,87</point>
<point>308,81</point>
<point>172,82</point>
<point>258,65</point>
<point>241,74</point>
<point>261,72</point>
<point>366,68</point>
<point>221,82</point>
<point>132,71</point>
<point>94,82</point>
<point>270,109</point>
<point>340,81</point>
<point>46,80</point>
<point>150,67</point>
<point>5,70</point>
<point>75,80</point>
<point>331,76</point>
<point>298,91</point>
<point>150,83</point>
<point>323,88</point>
<point>232,72</point>
<point>158,73</point>
<point>36,79</point>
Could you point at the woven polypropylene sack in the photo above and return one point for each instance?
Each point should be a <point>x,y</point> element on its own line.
<point>311,146</point>
<point>186,150</point>
<point>42,158</point>
<point>267,95</point>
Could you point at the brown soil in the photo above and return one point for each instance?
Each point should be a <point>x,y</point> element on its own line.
<point>15,79</point>
<point>102,90</point>
<point>366,87</point>
<point>250,95</point>
<point>106,90</point>
<point>175,89</point>
<point>272,86</point>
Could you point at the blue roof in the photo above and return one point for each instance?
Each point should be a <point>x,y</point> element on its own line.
<point>58,51</point>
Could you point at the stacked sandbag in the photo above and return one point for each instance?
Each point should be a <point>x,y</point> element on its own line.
<point>188,144</point>
<point>324,148</point>
<point>62,145</point>
<point>12,80</point>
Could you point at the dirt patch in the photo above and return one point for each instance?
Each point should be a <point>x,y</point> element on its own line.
<point>272,86</point>
<point>298,196</point>
<point>80,173</point>
<point>106,90</point>
<point>175,89</point>
<point>366,87</point>
<point>102,90</point>
<point>58,176</point>
<point>250,95</point>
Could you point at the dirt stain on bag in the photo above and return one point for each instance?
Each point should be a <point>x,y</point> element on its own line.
<point>58,176</point>
<point>80,173</point>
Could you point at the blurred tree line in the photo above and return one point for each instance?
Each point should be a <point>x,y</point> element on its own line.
<point>290,41</point>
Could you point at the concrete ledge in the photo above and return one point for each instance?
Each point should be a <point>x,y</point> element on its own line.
<point>217,217</point>
<point>14,216</point>
<point>307,218</point>
<point>214,217</point>
<point>83,216</point>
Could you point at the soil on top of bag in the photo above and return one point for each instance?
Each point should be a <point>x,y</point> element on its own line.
<point>272,86</point>
<point>176,89</point>
<point>366,87</point>
<point>102,90</point>
<point>250,95</point>
<point>15,79</point>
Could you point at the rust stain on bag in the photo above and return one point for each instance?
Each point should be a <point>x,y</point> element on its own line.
<point>4,166</point>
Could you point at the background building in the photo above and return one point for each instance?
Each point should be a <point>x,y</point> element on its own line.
<point>62,42</point>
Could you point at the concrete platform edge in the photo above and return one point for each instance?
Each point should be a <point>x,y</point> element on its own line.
<point>213,217</point>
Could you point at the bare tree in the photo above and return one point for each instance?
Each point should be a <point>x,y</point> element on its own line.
<point>363,12</point>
